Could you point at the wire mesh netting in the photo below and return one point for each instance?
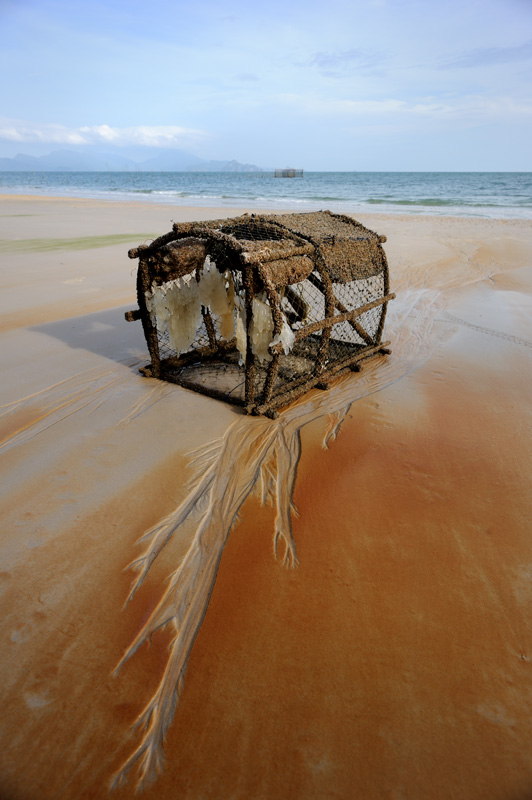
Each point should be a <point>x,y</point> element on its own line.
<point>307,289</point>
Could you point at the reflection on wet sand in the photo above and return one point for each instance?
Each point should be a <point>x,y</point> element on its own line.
<point>394,661</point>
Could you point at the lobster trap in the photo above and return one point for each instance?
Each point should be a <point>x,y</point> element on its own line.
<point>256,310</point>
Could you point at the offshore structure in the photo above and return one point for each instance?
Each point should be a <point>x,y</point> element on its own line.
<point>288,172</point>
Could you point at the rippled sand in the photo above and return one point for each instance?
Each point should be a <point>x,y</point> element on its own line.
<point>393,661</point>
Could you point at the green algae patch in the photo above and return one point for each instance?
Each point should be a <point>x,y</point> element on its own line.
<point>44,245</point>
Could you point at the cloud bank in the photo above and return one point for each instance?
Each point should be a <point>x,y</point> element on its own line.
<point>170,136</point>
<point>491,56</point>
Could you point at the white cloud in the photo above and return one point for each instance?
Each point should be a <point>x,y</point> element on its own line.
<point>15,131</point>
<point>143,135</point>
<point>321,105</point>
<point>340,63</point>
<point>490,56</point>
<point>477,107</point>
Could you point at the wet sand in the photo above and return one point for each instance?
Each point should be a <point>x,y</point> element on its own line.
<point>395,660</point>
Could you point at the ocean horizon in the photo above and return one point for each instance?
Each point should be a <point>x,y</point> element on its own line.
<point>502,195</point>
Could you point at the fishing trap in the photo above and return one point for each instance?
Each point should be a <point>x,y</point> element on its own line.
<point>256,310</point>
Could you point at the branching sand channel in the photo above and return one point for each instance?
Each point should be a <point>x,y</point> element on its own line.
<point>261,456</point>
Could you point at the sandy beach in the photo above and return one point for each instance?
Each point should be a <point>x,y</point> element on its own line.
<point>395,661</point>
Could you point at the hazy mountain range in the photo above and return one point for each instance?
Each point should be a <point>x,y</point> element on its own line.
<point>159,160</point>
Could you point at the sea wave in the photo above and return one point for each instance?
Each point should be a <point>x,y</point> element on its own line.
<point>504,195</point>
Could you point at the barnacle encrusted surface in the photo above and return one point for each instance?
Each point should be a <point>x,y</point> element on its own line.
<point>258,309</point>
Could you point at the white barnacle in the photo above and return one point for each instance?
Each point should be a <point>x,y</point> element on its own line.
<point>184,313</point>
<point>175,309</point>
<point>285,337</point>
<point>217,293</point>
<point>240,328</point>
<point>156,304</point>
<point>261,328</point>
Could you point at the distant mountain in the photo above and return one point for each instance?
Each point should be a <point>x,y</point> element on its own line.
<point>225,166</point>
<point>67,161</point>
<point>91,161</point>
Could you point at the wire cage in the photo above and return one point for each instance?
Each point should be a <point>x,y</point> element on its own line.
<point>258,309</point>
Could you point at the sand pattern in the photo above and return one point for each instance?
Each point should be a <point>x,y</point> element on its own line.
<point>393,661</point>
<point>258,456</point>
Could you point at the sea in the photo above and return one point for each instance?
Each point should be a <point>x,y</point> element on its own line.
<point>501,195</point>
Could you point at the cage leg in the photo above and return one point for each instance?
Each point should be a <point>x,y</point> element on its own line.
<point>209,324</point>
<point>270,379</point>
<point>250,358</point>
<point>150,332</point>
<point>323,349</point>
<point>278,319</point>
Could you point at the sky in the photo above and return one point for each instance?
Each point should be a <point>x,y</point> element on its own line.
<point>329,85</point>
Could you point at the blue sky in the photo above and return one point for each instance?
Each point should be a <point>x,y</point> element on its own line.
<point>329,85</point>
